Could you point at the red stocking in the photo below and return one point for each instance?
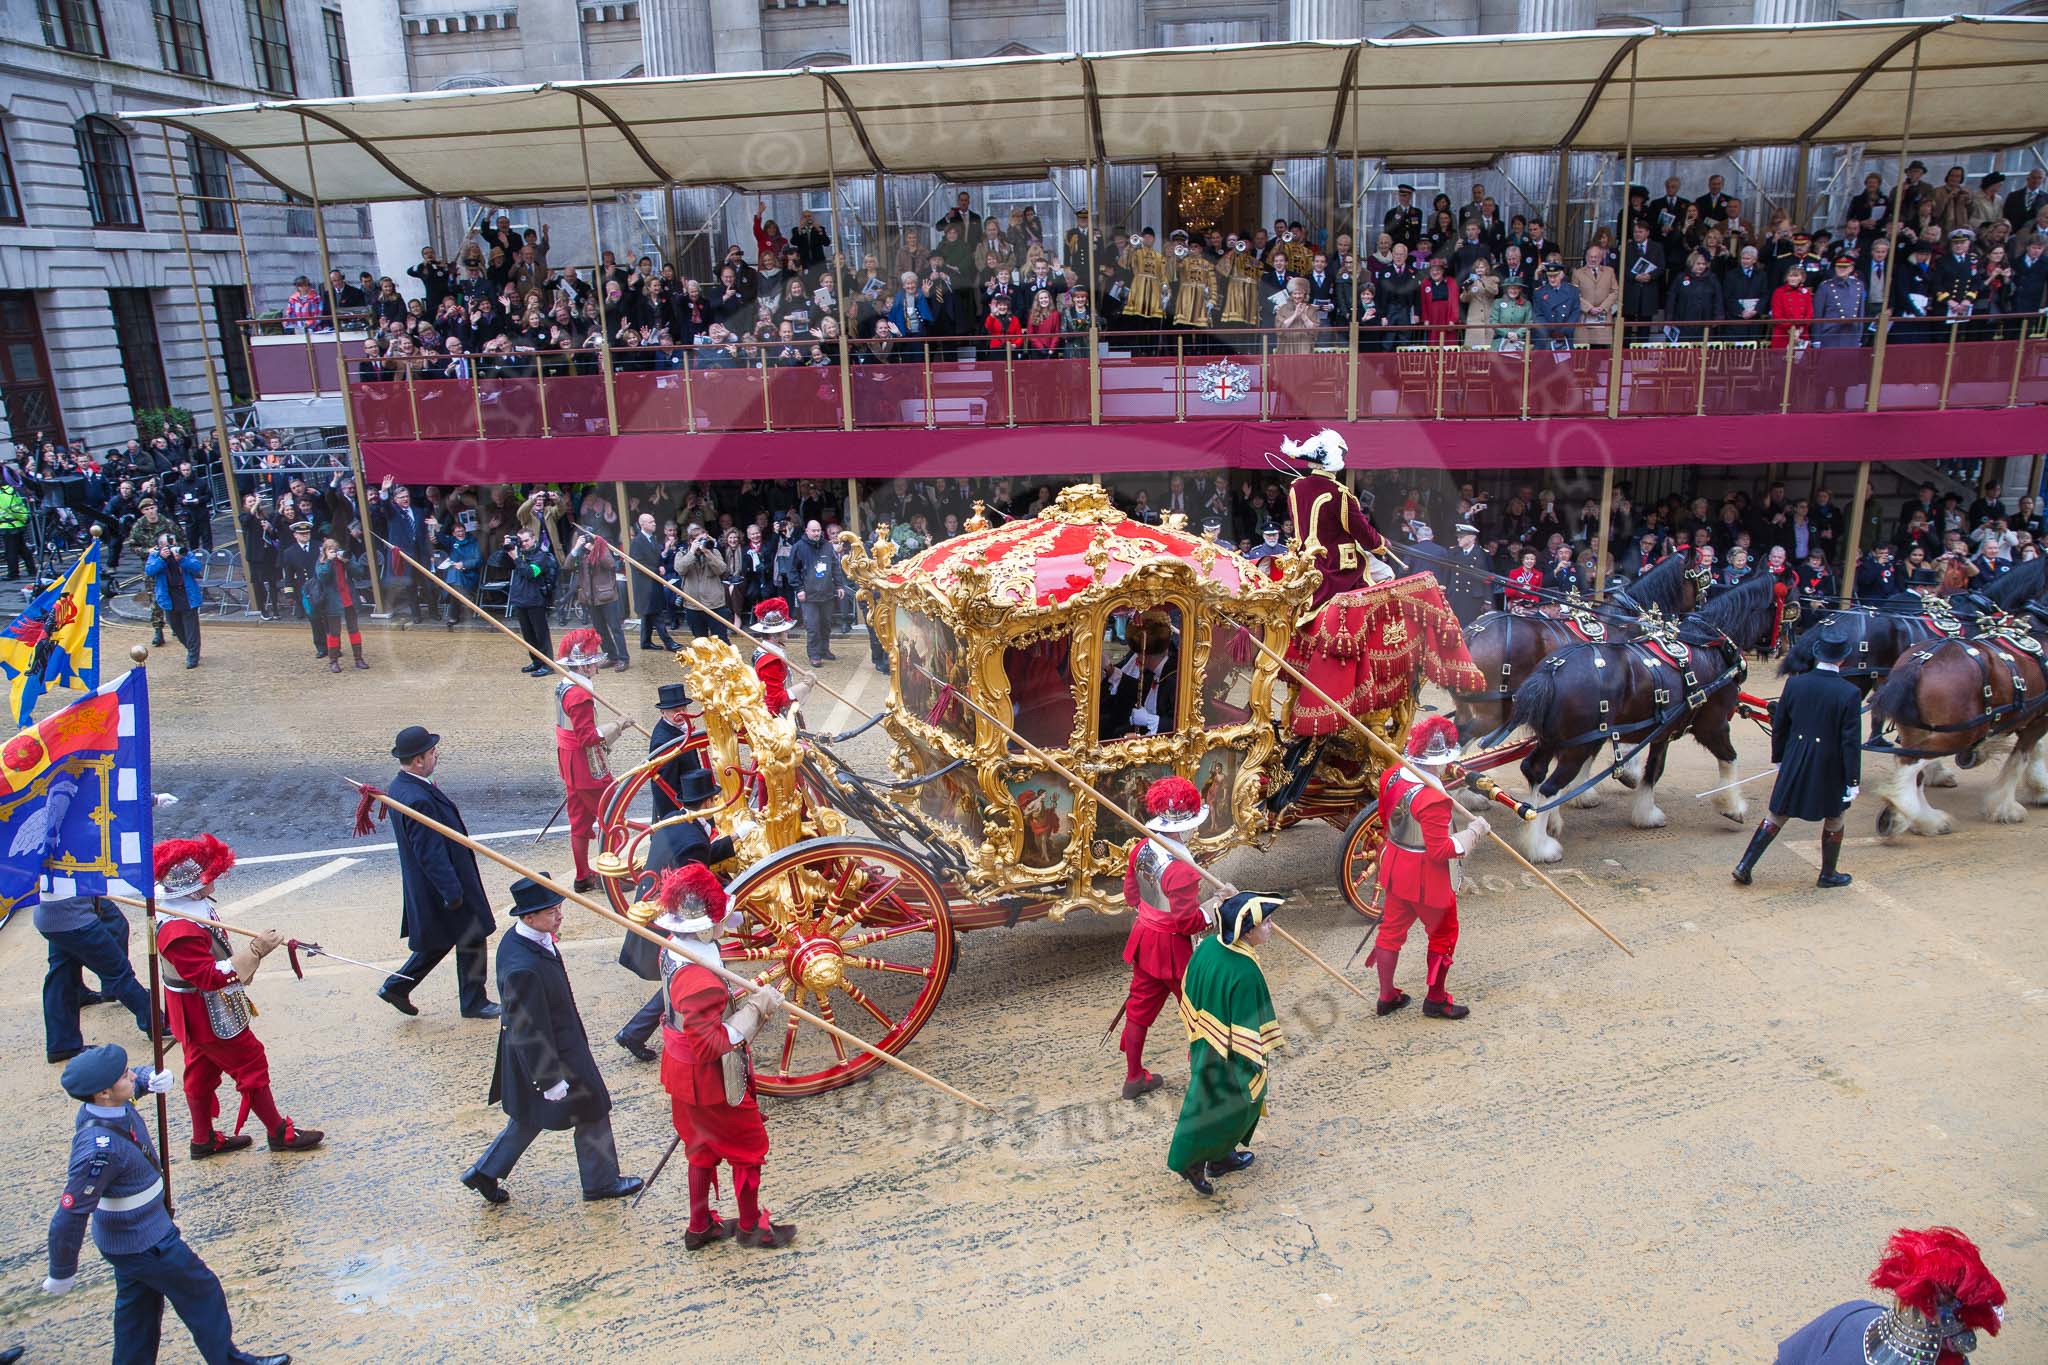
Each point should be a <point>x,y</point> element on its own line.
<point>746,1186</point>
<point>257,1099</point>
<point>1386,959</point>
<point>702,1178</point>
<point>1439,969</point>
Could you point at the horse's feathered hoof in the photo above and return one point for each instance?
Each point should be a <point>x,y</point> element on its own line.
<point>1732,817</point>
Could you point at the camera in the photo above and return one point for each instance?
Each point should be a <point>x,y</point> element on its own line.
<point>508,542</point>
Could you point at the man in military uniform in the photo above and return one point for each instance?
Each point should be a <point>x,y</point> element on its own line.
<point>1404,221</point>
<point>115,1183</point>
<point>707,1064</point>
<point>445,906</point>
<point>545,1076</point>
<point>1942,1296</point>
<point>204,978</point>
<point>1232,1034</point>
<point>1417,873</point>
<point>1816,741</point>
<point>581,745</point>
<point>1164,892</point>
<point>1470,570</point>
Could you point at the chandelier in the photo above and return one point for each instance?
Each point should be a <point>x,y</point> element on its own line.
<point>1201,199</point>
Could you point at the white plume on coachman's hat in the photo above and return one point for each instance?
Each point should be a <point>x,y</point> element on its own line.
<point>1325,450</point>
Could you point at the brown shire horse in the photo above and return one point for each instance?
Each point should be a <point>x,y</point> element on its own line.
<point>1947,699</point>
<point>1509,646</point>
<point>1643,693</point>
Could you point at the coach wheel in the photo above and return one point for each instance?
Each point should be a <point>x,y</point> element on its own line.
<point>1358,869</point>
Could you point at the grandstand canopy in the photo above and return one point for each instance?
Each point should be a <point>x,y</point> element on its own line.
<point>1432,101</point>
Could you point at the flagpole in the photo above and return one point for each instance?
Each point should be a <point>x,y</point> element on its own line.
<point>156,1048</point>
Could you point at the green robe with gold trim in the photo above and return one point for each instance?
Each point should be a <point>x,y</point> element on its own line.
<point>1232,1034</point>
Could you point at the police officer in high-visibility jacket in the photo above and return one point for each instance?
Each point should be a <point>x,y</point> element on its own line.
<point>1418,867</point>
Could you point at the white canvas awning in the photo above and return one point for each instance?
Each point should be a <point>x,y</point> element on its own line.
<point>1435,101</point>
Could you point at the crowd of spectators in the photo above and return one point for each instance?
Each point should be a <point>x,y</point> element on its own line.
<point>1680,267</point>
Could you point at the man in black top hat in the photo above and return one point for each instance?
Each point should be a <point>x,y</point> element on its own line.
<point>670,733</point>
<point>445,904</point>
<point>545,1077</point>
<point>1816,742</point>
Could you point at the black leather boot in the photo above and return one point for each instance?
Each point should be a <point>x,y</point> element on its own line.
<point>1758,842</point>
<point>1830,854</point>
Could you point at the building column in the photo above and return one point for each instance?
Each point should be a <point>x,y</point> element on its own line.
<point>1110,26</point>
<point>885,31</point>
<point>1776,169</point>
<point>377,62</point>
<point>1535,174</point>
<point>675,37</point>
<point>1307,176</point>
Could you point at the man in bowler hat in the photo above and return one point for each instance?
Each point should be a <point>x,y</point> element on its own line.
<point>445,904</point>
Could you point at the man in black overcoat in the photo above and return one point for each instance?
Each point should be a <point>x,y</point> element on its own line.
<point>1816,741</point>
<point>545,1077</point>
<point>1470,577</point>
<point>673,702</point>
<point>445,904</point>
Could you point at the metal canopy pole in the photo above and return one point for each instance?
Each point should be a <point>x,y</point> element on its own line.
<point>1564,166</point>
<point>1621,262</point>
<point>838,275</point>
<point>604,326</point>
<point>348,412</point>
<point>220,415</point>
<point>1358,256</point>
<point>1095,304</point>
<point>1884,326</point>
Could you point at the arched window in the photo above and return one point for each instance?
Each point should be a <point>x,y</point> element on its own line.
<point>109,175</point>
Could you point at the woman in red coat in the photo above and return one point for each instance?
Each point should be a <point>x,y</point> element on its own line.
<point>1441,311</point>
<point>1523,583</point>
<point>1165,892</point>
<point>707,1064</point>
<point>1791,309</point>
<point>1415,867</point>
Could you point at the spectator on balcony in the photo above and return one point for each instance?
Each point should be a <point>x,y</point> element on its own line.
<point>1511,314</point>
<point>1957,277</point>
<point>1297,321</point>
<point>1403,222</point>
<point>1442,235</point>
<point>1695,300</point>
<point>371,369</point>
<point>387,306</point>
<point>1952,201</point>
<point>1519,264</point>
<point>1994,297</point>
<point>1557,309</point>
<point>910,309</point>
<point>304,311</point>
<point>2028,291</point>
<point>1791,309</point>
<point>731,304</point>
<point>1002,328</point>
<point>1598,293</point>
<point>1478,287</point>
<point>1042,328</point>
<point>1643,268</point>
<point>1469,252</point>
<point>1872,205</point>
<point>436,282</point>
<point>342,297</point>
<point>1437,297</point>
<point>809,240</point>
<point>1839,297</point>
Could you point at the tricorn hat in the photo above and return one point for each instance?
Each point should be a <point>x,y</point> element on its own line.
<point>413,741</point>
<point>1245,911</point>
<point>529,897</point>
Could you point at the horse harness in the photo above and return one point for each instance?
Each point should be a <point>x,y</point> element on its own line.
<point>2004,639</point>
<point>1578,618</point>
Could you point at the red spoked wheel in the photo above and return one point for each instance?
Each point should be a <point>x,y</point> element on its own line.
<point>1358,866</point>
<point>856,931</point>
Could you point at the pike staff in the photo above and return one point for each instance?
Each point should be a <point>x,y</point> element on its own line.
<point>1145,831</point>
<point>367,794</point>
<point>1429,779</point>
<point>293,946</point>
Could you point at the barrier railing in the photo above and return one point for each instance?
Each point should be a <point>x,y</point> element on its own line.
<point>1529,372</point>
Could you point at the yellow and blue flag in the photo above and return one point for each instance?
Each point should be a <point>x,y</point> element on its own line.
<point>56,641</point>
<point>75,803</point>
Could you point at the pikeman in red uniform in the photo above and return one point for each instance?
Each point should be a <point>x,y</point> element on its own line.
<point>706,1064</point>
<point>1165,892</point>
<point>204,979</point>
<point>581,745</point>
<point>1416,867</point>
<point>771,665</point>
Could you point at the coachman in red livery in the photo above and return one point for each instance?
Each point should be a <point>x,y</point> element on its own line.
<point>204,980</point>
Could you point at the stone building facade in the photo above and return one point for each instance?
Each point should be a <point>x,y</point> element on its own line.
<point>96,307</point>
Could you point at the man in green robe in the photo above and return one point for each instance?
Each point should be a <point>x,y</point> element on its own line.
<point>1232,1034</point>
